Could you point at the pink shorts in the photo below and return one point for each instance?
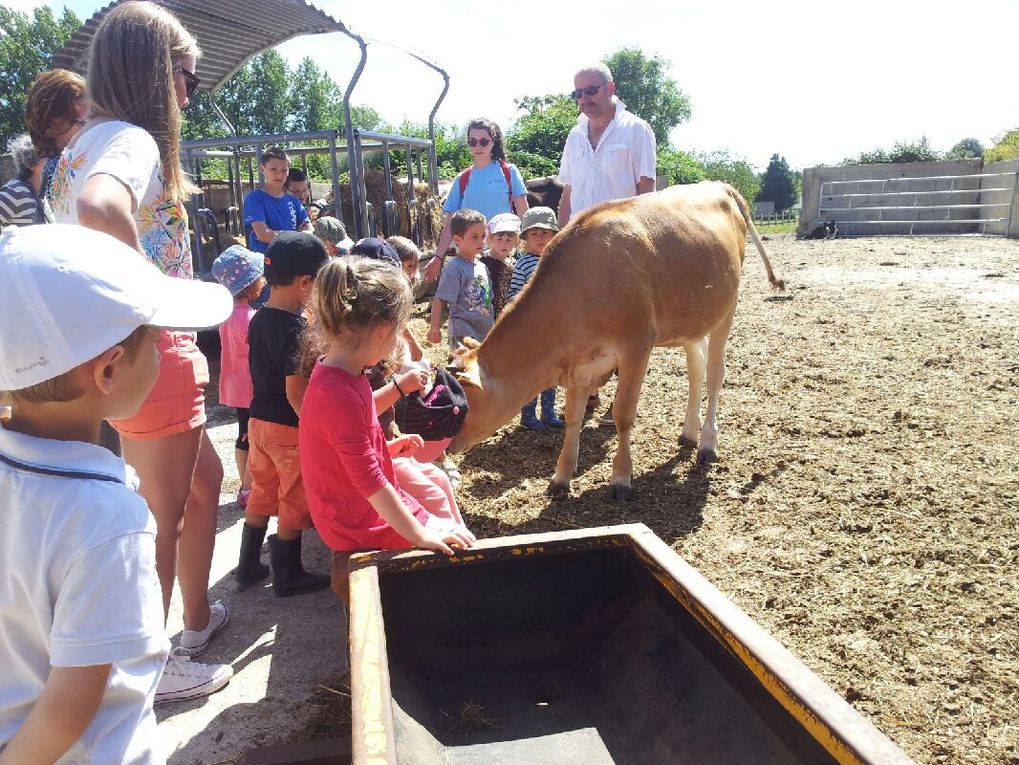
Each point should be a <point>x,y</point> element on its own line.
<point>176,403</point>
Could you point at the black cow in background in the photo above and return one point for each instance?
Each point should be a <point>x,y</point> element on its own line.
<point>544,192</point>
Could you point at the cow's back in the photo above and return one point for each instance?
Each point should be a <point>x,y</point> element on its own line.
<point>667,263</point>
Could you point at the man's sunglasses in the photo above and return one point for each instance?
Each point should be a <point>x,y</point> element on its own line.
<point>590,90</point>
<point>482,142</point>
<point>191,81</point>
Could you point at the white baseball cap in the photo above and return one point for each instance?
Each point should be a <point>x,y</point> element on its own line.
<point>69,293</point>
<point>504,222</point>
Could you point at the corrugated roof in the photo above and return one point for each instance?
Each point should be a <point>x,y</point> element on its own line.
<point>229,32</point>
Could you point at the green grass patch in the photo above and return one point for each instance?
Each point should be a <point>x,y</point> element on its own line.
<point>782,227</point>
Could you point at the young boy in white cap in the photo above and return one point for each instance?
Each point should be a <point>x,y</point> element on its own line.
<point>81,610</point>
<point>503,237</point>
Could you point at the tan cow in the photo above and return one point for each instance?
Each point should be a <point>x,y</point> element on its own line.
<point>660,269</point>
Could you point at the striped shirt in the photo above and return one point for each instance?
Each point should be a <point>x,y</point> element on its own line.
<point>522,271</point>
<point>19,206</point>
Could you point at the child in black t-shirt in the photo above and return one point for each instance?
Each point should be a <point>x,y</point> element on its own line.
<point>274,336</point>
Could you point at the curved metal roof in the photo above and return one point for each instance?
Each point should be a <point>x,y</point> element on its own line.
<point>229,32</point>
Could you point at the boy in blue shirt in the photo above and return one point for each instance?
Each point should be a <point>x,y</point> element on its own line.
<point>81,610</point>
<point>270,209</point>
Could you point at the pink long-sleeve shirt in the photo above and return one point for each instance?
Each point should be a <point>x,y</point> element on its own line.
<point>235,387</point>
<point>344,460</point>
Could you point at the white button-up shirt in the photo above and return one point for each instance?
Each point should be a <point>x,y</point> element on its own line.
<point>625,154</point>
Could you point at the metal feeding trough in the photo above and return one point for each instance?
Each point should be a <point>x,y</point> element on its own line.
<point>590,647</point>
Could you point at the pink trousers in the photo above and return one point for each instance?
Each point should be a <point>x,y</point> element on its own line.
<point>429,485</point>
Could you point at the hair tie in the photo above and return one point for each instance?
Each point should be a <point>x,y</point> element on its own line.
<point>349,292</point>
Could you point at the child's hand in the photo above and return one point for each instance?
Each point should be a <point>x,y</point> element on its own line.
<point>455,538</point>
<point>414,380</point>
<point>434,336</point>
<point>405,446</point>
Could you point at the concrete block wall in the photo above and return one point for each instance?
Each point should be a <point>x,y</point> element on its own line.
<point>813,178</point>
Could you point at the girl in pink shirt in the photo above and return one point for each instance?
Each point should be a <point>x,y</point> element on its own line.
<point>361,307</point>
<point>240,271</point>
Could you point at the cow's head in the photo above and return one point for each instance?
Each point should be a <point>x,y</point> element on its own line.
<point>481,412</point>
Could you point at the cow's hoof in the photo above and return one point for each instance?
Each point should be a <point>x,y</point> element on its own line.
<point>687,443</point>
<point>706,457</point>
<point>558,490</point>
<point>621,493</point>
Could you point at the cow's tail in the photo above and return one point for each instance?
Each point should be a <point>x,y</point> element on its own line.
<point>744,208</point>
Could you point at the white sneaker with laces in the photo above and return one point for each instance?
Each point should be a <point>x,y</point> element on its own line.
<point>183,679</point>
<point>195,642</point>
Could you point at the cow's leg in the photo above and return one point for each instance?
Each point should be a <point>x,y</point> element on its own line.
<point>624,412</point>
<point>696,354</point>
<point>716,376</point>
<point>576,401</point>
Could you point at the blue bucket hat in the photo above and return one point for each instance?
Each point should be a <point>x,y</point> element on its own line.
<point>237,268</point>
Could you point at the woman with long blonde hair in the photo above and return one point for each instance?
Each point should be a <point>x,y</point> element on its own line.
<point>122,175</point>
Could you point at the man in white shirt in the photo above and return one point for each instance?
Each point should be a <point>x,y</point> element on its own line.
<point>610,153</point>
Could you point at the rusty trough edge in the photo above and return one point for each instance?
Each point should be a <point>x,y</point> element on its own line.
<point>845,733</point>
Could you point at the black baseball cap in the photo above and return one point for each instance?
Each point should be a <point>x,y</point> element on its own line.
<point>294,253</point>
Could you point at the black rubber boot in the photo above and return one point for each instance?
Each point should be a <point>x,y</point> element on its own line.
<point>548,415</point>
<point>250,568</point>
<point>288,575</point>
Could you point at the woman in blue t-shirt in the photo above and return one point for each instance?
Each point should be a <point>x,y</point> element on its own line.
<point>490,185</point>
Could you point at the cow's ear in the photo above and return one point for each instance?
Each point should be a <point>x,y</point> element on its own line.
<point>470,342</point>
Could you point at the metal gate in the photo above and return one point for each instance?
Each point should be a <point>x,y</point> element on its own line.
<point>979,203</point>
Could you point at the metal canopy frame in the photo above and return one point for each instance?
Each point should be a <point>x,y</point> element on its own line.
<point>230,33</point>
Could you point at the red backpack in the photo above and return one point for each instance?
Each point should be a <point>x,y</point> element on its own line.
<point>465,177</point>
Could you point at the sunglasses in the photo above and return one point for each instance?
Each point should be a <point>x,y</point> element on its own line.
<point>590,90</point>
<point>482,142</point>
<point>191,81</point>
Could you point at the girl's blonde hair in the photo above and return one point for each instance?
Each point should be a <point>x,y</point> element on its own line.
<point>130,78</point>
<point>353,294</point>
<point>405,248</point>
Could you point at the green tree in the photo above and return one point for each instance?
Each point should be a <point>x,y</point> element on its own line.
<point>679,166</point>
<point>778,184</point>
<point>318,102</point>
<point>644,86</point>
<point>536,140</point>
<point>720,166</point>
<point>967,148</point>
<point>903,151</point>
<point>27,43</point>
<point>1005,147</point>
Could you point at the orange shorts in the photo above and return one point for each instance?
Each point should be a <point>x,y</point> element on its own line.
<point>275,465</point>
<point>176,403</point>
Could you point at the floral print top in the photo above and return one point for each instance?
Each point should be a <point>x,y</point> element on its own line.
<point>129,154</point>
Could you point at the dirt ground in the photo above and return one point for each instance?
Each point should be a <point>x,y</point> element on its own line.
<point>864,509</point>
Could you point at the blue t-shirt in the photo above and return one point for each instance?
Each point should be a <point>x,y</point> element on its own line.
<point>486,191</point>
<point>285,213</point>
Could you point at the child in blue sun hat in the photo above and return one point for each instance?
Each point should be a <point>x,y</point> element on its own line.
<point>240,271</point>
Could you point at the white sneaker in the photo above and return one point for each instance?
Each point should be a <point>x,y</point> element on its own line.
<point>195,642</point>
<point>184,679</point>
<point>451,470</point>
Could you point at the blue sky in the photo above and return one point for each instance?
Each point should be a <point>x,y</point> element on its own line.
<point>813,81</point>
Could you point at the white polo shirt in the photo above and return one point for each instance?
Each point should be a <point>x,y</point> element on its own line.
<point>78,587</point>
<point>625,154</point>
